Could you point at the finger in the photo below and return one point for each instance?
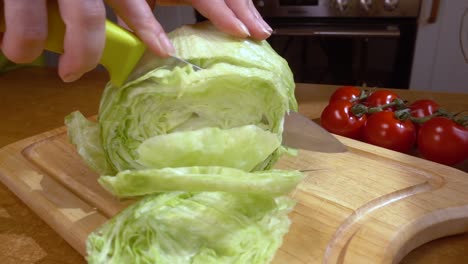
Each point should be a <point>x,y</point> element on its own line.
<point>26,30</point>
<point>84,37</point>
<point>151,3</point>
<point>221,16</point>
<point>139,17</point>
<point>248,14</point>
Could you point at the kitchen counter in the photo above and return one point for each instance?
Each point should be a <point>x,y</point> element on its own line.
<point>35,100</point>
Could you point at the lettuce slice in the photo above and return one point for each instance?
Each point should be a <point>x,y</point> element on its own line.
<point>198,179</point>
<point>204,228</point>
<point>240,147</point>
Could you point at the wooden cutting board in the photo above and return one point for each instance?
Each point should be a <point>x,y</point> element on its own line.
<point>368,205</point>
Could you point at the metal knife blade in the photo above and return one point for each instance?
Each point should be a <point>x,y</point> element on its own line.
<point>150,61</point>
<point>302,133</point>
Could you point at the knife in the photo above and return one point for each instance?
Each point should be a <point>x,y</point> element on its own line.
<point>302,133</point>
<point>123,51</point>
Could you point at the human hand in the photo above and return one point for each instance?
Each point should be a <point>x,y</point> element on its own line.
<point>26,28</point>
<point>235,17</point>
<point>26,31</point>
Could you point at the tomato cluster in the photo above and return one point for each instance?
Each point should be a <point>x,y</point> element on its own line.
<point>384,119</point>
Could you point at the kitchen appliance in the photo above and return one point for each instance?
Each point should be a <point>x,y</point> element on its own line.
<point>345,42</point>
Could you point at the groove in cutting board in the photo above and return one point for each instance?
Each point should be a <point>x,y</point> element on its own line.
<point>336,248</point>
<point>349,227</point>
<point>72,172</point>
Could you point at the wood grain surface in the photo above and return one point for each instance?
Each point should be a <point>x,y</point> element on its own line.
<point>35,101</point>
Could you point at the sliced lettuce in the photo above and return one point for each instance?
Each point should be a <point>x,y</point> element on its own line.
<point>200,179</point>
<point>200,228</point>
<point>240,147</point>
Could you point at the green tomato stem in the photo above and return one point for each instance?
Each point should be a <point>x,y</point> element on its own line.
<point>359,110</point>
<point>403,114</point>
<point>363,95</point>
<point>439,112</point>
<point>399,103</point>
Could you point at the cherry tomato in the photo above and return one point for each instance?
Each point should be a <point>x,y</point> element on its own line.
<point>337,118</point>
<point>384,130</point>
<point>347,93</point>
<point>422,108</point>
<point>381,97</point>
<point>443,141</point>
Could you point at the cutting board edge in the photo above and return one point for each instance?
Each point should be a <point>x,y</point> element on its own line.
<point>425,229</point>
<point>29,198</point>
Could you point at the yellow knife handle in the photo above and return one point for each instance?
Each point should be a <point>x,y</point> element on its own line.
<point>121,53</point>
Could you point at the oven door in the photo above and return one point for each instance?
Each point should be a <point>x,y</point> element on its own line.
<point>347,53</point>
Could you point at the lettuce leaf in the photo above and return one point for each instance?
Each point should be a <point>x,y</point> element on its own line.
<point>85,134</point>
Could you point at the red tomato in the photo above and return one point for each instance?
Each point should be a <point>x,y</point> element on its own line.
<point>381,97</point>
<point>422,108</point>
<point>384,130</point>
<point>347,93</point>
<point>337,118</point>
<point>443,141</point>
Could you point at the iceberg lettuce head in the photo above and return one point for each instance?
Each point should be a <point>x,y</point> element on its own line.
<point>228,114</point>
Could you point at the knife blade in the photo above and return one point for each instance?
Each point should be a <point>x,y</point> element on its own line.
<point>148,61</point>
<point>302,133</point>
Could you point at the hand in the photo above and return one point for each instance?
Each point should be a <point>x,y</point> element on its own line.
<point>26,28</point>
<point>236,17</point>
<point>84,40</point>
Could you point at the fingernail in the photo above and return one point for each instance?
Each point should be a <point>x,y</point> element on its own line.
<point>71,77</point>
<point>243,28</point>
<point>265,27</point>
<point>165,44</point>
